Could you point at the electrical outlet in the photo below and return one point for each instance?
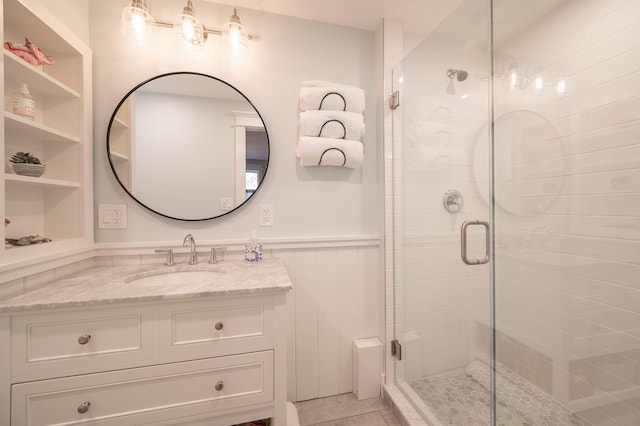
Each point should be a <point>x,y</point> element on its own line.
<point>266,214</point>
<point>112,216</point>
<point>226,203</point>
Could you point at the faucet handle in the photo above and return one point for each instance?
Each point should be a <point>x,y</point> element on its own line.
<point>213,257</point>
<point>169,252</point>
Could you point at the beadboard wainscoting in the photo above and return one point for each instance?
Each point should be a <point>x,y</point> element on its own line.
<point>337,297</point>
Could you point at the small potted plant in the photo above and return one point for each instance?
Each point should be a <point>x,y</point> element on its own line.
<point>26,164</point>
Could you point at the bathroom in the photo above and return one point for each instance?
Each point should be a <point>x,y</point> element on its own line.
<point>372,252</point>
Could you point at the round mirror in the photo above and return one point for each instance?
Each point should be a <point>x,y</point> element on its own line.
<point>188,146</point>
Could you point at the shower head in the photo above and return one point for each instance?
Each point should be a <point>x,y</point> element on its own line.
<point>461,75</point>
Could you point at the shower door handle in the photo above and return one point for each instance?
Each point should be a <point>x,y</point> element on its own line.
<point>463,242</point>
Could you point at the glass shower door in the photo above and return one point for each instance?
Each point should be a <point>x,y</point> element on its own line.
<point>538,133</point>
<point>443,310</point>
<point>566,169</point>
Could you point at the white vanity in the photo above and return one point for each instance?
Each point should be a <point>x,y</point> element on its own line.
<point>194,345</point>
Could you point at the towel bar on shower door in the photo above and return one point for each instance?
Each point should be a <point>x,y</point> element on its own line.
<point>463,242</point>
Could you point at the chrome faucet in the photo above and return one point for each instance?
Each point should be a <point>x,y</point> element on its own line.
<point>191,242</point>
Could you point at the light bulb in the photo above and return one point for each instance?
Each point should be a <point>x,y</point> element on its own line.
<point>188,28</point>
<point>234,35</point>
<point>137,22</point>
<point>561,87</point>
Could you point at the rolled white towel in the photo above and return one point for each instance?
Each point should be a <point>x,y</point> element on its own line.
<point>332,124</point>
<point>314,151</point>
<point>334,97</point>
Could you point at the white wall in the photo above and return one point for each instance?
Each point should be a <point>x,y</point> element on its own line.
<point>286,52</point>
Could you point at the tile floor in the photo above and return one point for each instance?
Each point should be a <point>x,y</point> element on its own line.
<point>346,410</point>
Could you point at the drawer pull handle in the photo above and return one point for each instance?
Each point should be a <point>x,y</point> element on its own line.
<point>84,339</point>
<point>84,407</point>
<point>219,326</point>
<point>219,385</point>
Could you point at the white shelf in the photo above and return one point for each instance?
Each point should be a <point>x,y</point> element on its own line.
<point>19,71</point>
<point>116,156</point>
<point>33,129</point>
<point>119,124</point>
<point>39,181</point>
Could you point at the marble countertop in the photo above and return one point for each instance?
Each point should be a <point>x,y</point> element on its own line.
<point>117,284</point>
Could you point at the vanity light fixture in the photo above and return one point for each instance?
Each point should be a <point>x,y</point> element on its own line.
<point>537,78</point>
<point>235,35</point>
<point>189,28</point>
<point>138,24</point>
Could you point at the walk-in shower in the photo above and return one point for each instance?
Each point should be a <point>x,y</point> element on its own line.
<point>543,144</point>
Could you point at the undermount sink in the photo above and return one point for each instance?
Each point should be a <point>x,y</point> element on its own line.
<point>176,277</point>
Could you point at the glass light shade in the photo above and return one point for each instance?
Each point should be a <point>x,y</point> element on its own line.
<point>137,22</point>
<point>234,35</point>
<point>188,28</point>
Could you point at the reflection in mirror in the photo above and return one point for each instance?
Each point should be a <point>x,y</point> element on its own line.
<point>188,146</point>
<point>530,162</point>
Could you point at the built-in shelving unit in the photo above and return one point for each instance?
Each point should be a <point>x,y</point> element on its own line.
<point>122,142</point>
<point>57,205</point>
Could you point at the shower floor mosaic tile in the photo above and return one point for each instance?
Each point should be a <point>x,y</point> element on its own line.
<point>463,399</point>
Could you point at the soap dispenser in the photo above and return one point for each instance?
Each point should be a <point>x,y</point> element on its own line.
<point>22,103</point>
<point>253,249</point>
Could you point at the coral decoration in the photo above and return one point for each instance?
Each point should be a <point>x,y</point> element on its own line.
<point>29,53</point>
<point>21,52</point>
<point>35,51</point>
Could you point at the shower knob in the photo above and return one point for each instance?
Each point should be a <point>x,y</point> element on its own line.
<point>453,201</point>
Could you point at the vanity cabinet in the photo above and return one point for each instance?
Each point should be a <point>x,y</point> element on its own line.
<point>57,205</point>
<point>202,361</point>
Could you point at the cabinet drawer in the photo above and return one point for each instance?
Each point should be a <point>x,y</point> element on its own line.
<point>216,326</point>
<point>147,394</point>
<point>77,341</point>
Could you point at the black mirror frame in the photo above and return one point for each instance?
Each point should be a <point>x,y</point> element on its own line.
<point>123,186</point>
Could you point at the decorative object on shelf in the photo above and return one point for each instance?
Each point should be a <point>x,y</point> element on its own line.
<point>138,24</point>
<point>27,241</point>
<point>23,104</point>
<point>26,164</point>
<point>21,52</point>
<point>29,53</point>
<point>6,222</point>
<point>331,125</point>
<point>37,53</point>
